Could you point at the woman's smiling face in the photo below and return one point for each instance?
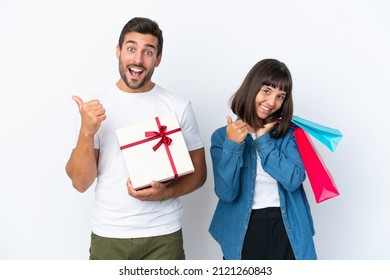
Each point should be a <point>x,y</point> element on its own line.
<point>268,100</point>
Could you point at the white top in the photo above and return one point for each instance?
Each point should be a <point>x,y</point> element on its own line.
<point>116,214</point>
<point>266,188</point>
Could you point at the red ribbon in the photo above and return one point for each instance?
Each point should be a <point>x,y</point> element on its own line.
<point>152,135</point>
<point>162,133</point>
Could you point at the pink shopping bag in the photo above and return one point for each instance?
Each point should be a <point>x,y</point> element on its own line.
<point>321,180</point>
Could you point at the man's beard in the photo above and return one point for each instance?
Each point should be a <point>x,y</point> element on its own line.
<point>136,84</point>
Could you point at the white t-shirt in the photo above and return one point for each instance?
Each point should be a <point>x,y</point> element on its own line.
<point>117,214</point>
<point>266,188</point>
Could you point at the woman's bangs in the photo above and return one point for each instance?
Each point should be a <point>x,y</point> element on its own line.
<point>280,81</point>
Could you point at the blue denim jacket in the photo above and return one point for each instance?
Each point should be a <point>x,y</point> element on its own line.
<point>234,168</point>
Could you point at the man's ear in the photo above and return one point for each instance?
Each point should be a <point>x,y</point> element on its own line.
<point>118,51</point>
<point>158,60</point>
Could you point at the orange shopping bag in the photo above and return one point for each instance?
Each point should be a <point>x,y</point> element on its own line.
<point>321,180</point>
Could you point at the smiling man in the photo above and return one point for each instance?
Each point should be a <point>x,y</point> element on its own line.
<point>128,223</point>
<point>138,55</point>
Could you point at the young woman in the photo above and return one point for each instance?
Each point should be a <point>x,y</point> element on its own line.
<point>262,211</point>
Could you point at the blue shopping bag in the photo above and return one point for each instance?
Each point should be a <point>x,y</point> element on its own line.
<point>330,137</point>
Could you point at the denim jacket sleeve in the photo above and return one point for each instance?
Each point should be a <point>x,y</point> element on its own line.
<point>282,162</point>
<point>227,160</point>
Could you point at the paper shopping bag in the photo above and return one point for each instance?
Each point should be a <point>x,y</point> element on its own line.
<point>321,180</point>
<point>330,137</point>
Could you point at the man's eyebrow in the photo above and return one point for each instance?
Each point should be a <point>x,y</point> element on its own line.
<point>135,43</point>
<point>131,42</point>
<point>151,46</point>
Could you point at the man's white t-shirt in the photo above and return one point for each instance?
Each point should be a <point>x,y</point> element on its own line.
<point>116,214</point>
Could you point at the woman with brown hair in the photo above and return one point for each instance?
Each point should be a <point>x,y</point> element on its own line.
<point>262,211</point>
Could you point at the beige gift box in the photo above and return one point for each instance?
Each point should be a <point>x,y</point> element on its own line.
<point>154,150</point>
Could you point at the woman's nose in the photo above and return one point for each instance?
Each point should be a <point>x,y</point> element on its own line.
<point>272,101</point>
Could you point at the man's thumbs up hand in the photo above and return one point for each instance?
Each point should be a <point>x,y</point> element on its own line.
<point>92,115</point>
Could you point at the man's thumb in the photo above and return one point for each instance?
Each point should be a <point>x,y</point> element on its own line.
<point>78,100</point>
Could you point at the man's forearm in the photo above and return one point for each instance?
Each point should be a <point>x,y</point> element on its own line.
<point>82,165</point>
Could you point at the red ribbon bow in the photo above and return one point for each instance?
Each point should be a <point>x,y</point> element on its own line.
<point>164,138</point>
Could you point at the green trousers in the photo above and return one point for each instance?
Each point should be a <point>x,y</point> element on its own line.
<point>164,247</point>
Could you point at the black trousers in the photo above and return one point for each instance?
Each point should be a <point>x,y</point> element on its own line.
<point>266,237</point>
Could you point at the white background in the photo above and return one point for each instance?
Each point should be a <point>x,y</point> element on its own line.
<point>337,51</point>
